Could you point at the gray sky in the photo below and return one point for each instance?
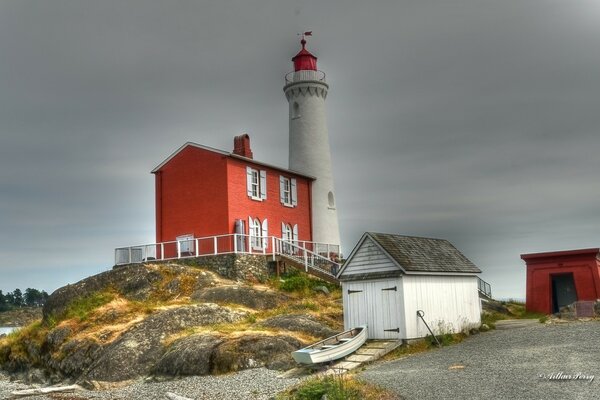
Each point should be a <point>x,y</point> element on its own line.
<point>475,121</point>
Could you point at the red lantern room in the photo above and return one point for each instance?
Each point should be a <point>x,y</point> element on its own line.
<point>304,60</point>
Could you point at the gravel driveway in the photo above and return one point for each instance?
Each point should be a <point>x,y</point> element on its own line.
<point>532,362</point>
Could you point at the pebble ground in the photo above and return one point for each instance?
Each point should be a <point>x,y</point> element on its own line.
<point>254,384</point>
<point>526,363</point>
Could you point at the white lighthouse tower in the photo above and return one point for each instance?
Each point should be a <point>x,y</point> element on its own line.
<point>306,91</point>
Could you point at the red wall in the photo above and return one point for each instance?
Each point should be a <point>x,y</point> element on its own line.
<point>241,206</point>
<point>191,195</point>
<point>201,192</point>
<point>583,264</point>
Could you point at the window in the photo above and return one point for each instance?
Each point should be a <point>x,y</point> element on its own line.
<point>256,184</point>
<point>185,245</point>
<point>258,233</point>
<point>288,192</point>
<point>289,234</point>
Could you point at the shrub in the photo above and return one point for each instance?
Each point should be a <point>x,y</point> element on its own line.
<point>334,387</point>
<point>296,281</point>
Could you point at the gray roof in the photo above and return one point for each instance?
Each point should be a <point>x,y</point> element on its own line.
<point>421,254</point>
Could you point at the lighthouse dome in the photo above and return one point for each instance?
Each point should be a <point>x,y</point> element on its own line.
<point>304,60</point>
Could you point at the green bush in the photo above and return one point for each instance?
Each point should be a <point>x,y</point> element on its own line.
<point>296,281</point>
<point>333,386</point>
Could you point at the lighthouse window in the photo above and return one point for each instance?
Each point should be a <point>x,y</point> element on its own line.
<point>256,184</point>
<point>295,110</point>
<point>330,199</point>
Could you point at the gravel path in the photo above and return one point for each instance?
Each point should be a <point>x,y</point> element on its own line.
<point>502,364</point>
<point>255,384</point>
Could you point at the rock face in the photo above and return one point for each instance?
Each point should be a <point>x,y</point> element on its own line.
<point>133,281</point>
<point>244,296</point>
<point>253,351</point>
<point>299,323</point>
<point>189,356</point>
<point>146,326</point>
<point>139,349</point>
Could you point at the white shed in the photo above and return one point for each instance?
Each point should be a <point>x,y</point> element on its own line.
<point>388,278</point>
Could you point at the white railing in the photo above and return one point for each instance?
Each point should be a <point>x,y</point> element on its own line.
<point>310,260</point>
<point>304,75</point>
<point>313,255</point>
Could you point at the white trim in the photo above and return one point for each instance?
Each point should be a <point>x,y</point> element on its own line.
<point>231,155</point>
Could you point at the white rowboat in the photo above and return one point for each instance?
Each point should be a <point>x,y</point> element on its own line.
<point>332,348</point>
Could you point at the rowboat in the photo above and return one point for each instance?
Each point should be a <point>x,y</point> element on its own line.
<point>332,348</point>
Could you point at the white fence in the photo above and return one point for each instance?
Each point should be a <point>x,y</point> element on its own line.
<point>322,257</point>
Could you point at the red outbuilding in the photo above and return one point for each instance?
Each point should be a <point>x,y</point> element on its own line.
<point>205,192</point>
<point>560,278</point>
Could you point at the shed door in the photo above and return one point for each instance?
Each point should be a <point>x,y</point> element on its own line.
<point>376,304</point>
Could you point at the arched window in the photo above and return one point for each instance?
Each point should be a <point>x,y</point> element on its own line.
<point>258,233</point>
<point>330,199</point>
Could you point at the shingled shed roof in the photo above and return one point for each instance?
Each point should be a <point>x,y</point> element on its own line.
<point>424,254</point>
<point>381,255</point>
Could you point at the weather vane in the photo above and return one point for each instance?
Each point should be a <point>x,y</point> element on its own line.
<point>309,33</point>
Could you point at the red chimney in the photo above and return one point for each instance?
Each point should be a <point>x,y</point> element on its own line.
<point>241,146</point>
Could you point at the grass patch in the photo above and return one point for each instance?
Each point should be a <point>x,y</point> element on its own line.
<point>82,307</point>
<point>296,281</point>
<point>22,347</point>
<point>336,387</point>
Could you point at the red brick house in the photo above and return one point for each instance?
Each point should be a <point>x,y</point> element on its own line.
<point>205,192</point>
<point>559,278</point>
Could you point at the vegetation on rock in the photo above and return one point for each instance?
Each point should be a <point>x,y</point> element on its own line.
<point>169,320</point>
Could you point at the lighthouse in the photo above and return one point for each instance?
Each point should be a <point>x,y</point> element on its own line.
<point>306,90</point>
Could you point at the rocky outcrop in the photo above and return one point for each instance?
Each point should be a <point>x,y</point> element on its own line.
<point>299,323</point>
<point>20,316</point>
<point>140,320</point>
<point>241,295</point>
<point>136,353</point>
<point>189,356</point>
<point>134,282</point>
<point>252,351</point>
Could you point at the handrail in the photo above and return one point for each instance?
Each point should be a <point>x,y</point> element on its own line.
<point>484,287</point>
<point>304,75</point>
<point>309,254</point>
<point>309,259</point>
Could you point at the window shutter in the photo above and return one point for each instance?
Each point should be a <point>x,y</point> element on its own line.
<point>263,185</point>
<point>265,233</point>
<point>281,189</point>
<point>283,230</point>
<point>249,181</point>
<point>295,233</point>
<point>250,226</point>
<point>294,193</point>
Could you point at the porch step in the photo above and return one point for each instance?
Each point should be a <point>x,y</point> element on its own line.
<point>368,352</point>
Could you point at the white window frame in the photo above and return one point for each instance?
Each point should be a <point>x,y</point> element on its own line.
<point>288,192</point>
<point>256,183</point>
<point>258,233</point>
<point>185,244</point>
